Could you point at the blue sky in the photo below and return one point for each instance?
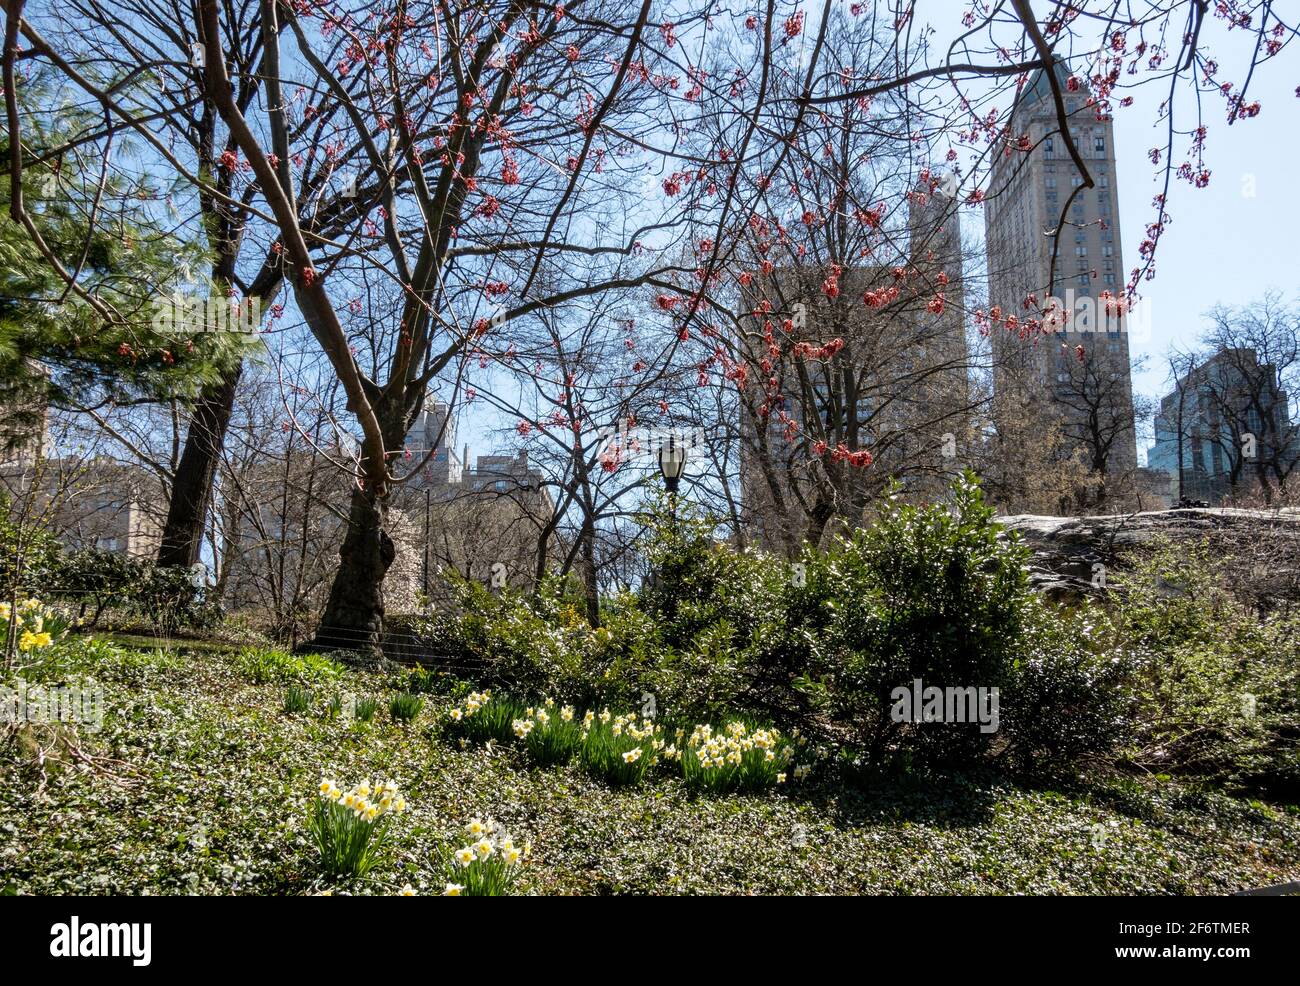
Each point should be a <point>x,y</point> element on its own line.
<point>1225,244</point>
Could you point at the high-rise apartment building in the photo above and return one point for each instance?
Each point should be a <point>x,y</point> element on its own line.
<point>1078,369</point>
<point>1226,426</point>
<point>431,446</point>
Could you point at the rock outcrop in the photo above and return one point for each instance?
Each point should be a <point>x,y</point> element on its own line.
<point>1073,555</point>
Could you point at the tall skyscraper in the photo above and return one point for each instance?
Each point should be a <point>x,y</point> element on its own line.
<point>938,258</point>
<point>1078,371</point>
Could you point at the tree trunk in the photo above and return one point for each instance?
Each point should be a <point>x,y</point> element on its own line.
<point>354,614</point>
<point>182,539</point>
<point>590,590</point>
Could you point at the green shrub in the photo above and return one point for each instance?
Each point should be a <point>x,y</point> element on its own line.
<point>405,706</point>
<point>96,580</point>
<point>932,593</point>
<point>926,593</point>
<point>534,641</point>
<point>1067,698</point>
<point>169,599</point>
<point>1217,689</point>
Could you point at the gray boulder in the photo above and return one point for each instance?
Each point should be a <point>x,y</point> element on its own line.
<point>1072,556</point>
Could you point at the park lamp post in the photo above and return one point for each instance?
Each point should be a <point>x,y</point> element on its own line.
<point>672,463</point>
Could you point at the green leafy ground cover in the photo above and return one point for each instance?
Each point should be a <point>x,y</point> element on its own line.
<point>200,782</point>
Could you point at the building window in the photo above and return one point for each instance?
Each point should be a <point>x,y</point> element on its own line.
<point>1051,181</point>
<point>1081,251</point>
<point>1049,147</point>
<point>1108,250</point>
<point>1099,144</point>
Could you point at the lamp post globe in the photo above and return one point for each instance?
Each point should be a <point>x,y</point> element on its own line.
<point>672,463</point>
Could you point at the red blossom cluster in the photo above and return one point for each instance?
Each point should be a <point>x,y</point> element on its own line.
<point>806,350</point>
<point>871,218</point>
<point>842,453</point>
<point>881,297</point>
<point>831,286</point>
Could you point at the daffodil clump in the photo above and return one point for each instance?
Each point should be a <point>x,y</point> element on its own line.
<point>37,625</point>
<point>737,758</point>
<point>550,735</point>
<point>621,749</point>
<point>488,866</point>
<point>350,828</point>
<point>482,716</point>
